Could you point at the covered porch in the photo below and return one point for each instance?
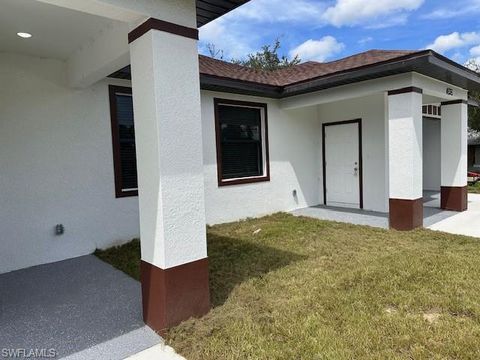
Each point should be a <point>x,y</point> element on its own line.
<point>387,146</point>
<point>59,181</point>
<point>58,174</point>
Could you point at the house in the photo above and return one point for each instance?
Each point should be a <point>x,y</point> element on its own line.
<point>474,154</point>
<point>108,132</point>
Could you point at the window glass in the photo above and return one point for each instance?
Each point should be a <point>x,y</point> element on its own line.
<point>241,141</point>
<point>126,132</point>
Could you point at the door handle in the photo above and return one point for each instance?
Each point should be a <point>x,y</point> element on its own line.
<point>355,171</point>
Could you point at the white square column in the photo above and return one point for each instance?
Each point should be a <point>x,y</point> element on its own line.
<point>168,132</point>
<point>405,158</point>
<point>454,155</point>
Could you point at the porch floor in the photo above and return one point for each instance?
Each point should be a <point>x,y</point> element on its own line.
<point>433,217</point>
<point>82,308</point>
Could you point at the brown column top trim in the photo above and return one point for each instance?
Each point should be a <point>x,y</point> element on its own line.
<point>398,199</point>
<point>156,24</point>
<point>454,102</point>
<point>405,90</point>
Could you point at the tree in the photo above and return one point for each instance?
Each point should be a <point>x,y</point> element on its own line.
<point>474,111</point>
<point>267,58</point>
<point>214,52</point>
<point>474,115</point>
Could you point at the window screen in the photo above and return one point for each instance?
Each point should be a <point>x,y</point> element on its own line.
<point>242,146</point>
<point>123,135</point>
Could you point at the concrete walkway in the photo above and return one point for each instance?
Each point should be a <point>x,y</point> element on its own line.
<point>465,223</point>
<point>351,216</point>
<point>157,352</point>
<point>81,308</point>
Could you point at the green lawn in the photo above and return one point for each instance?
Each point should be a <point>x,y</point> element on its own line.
<point>475,189</point>
<point>307,289</point>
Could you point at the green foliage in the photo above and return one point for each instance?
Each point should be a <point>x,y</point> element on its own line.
<point>268,58</point>
<point>125,257</point>
<point>473,111</point>
<point>474,189</point>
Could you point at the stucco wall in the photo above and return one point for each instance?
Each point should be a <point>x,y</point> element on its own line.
<point>371,109</point>
<point>56,167</point>
<point>431,155</point>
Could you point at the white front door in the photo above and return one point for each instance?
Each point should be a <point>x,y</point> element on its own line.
<point>342,164</point>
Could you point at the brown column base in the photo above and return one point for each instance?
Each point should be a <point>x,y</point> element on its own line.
<point>175,294</point>
<point>454,198</point>
<point>406,214</point>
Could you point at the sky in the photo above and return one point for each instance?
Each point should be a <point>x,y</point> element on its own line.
<point>326,30</point>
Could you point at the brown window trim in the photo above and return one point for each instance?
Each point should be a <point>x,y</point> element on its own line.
<point>117,164</point>
<point>249,180</point>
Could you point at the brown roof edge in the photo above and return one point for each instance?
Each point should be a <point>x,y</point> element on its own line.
<point>229,85</point>
<point>393,60</point>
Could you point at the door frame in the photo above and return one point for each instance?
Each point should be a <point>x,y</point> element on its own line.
<point>360,157</point>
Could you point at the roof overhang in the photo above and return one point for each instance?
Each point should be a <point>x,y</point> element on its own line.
<point>209,10</point>
<point>214,83</point>
<point>428,63</point>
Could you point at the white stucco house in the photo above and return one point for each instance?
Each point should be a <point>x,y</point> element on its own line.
<point>474,153</point>
<point>112,127</point>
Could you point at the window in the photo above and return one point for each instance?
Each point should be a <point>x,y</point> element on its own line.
<point>432,110</point>
<point>242,142</point>
<point>123,140</point>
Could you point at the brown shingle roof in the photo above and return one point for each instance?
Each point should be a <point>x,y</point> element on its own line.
<point>297,73</point>
<point>223,69</point>
<point>217,75</point>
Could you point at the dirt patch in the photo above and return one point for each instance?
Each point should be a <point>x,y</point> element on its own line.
<point>390,310</point>
<point>432,316</point>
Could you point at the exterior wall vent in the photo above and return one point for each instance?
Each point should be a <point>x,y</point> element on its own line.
<point>432,111</point>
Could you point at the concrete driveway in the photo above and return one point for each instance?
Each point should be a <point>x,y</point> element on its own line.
<point>465,223</point>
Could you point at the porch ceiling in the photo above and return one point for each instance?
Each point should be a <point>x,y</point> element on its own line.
<point>57,32</point>
<point>60,31</point>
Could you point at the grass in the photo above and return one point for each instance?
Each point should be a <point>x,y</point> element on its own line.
<point>307,289</point>
<point>125,258</point>
<point>475,189</point>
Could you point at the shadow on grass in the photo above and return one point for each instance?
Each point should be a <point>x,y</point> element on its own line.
<point>233,261</point>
